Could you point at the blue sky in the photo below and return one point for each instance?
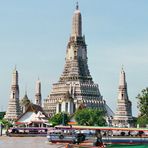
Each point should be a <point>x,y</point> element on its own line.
<point>34,35</point>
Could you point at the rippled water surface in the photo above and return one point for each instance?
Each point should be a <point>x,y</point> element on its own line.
<point>26,142</point>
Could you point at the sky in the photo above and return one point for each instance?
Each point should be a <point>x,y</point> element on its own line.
<point>34,36</point>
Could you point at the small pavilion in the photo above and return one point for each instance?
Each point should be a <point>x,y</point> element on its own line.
<point>34,116</point>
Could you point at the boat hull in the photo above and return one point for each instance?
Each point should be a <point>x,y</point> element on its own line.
<point>27,135</point>
<point>127,140</point>
<point>127,146</point>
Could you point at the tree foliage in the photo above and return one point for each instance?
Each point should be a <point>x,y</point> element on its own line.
<point>143,107</point>
<point>2,115</point>
<point>142,121</point>
<point>6,124</point>
<point>60,118</point>
<point>90,117</point>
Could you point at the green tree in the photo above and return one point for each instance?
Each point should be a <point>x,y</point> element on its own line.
<point>90,117</point>
<point>5,123</point>
<point>83,116</point>
<point>60,118</point>
<point>142,121</point>
<point>143,107</point>
<point>2,115</point>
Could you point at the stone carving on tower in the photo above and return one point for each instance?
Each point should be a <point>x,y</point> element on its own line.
<point>38,97</point>
<point>75,86</point>
<point>123,116</point>
<point>13,110</point>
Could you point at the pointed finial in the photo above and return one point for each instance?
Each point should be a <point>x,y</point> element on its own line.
<point>77,5</point>
<point>14,68</point>
<point>38,78</point>
<point>26,89</point>
<point>122,68</point>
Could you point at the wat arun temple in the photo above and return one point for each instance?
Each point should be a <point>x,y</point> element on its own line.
<point>75,87</point>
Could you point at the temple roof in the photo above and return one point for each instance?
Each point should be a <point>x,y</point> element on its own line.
<point>33,108</point>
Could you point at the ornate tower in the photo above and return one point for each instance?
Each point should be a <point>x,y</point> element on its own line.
<point>123,115</point>
<point>38,97</point>
<point>75,86</point>
<point>13,110</point>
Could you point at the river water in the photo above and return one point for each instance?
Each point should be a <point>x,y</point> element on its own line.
<point>27,142</point>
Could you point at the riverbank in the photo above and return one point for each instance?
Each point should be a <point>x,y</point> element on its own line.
<point>27,142</point>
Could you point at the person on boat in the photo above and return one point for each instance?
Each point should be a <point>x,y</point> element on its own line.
<point>68,146</point>
<point>7,132</point>
<point>99,141</point>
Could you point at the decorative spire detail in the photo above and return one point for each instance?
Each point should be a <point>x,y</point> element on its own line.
<point>26,92</point>
<point>122,81</point>
<point>15,67</point>
<point>77,6</point>
<point>15,77</point>
<point>38,86</point>
<point>26,89</point>
<point>122,68</point>
<point>77,22</point>
<point>38,98</point>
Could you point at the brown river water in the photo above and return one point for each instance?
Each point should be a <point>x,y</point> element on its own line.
<point>27,142</point>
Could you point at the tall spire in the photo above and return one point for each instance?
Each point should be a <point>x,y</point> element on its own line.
<point>77,22</point>
<point>15,77</point>
<point>122,80</point>
<point>75,86</point>
<point>123,95</point>
<point>123,115</point>
<point>38,86</point>
<point>13,110</point>
<point>38,98</point>
<point>76,52</point>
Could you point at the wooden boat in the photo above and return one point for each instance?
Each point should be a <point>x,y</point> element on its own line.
<point>125,140</point>
<point>27,132</point>
<point>110,146</point>
<point>110,140</point>
<point>127,146</point>
<point>90,142</point>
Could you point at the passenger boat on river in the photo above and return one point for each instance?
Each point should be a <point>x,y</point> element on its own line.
<point>27,132</point>
<point>65,136</point>
<point>103,135</point>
